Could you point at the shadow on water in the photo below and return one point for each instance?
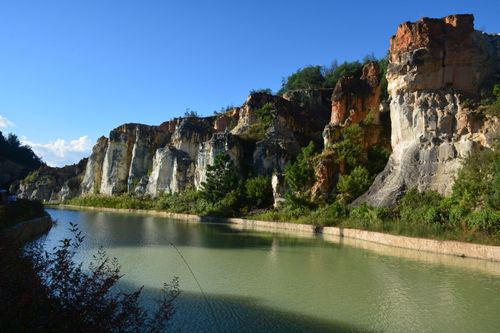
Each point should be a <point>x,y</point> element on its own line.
<point>133,230</point>
<point>229,313</point>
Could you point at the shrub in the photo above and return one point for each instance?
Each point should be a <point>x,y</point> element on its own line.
<point>261,91</point>
<point>487,220</point>
<point>383,63</point>
<point>369,213</point>
<point>258,192</point>
<point>190,201</point>
<point>122,201</point>
<point>377,157</point>
<point>421,208</point>
<point>331,214</point>
<point>228,206</point>
<point>493,108</point>
<point>477,183</point>
<point>353,185</point>
<point>257,131</point>
<point>191,113</point>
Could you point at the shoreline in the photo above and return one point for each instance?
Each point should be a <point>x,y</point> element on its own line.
<point>443,247</point>
<point>25,231</point>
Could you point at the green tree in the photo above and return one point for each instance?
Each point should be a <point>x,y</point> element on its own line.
<point>257,131</point>
<point>50,291</point>
<point>350,149</point>
<point>191,113</point>
<point>221,178</point>
<point>261,91</point>
<point>309,77</point>
<point>299,175</point>
<point>336,72</point>
<point>383,63</point>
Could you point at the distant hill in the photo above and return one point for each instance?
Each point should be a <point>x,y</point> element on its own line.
<point>16,160</point>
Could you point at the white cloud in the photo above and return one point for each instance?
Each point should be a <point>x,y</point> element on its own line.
<point>60,152</point>
<point>4,123</point>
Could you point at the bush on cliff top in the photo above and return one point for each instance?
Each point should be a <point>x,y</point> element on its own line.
<point>257,131</point>
<point>316,77</point>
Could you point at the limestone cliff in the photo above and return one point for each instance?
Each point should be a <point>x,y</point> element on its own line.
<point>53,184</point>
<point>435,66</point>
<point>173,157</point>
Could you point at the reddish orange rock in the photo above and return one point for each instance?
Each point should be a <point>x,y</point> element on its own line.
<point>353,98</point>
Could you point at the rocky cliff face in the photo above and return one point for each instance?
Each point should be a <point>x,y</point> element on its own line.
<point>435,66</point>
<point>53,184</point>
<point>172,157</point>
<point>355,100</point>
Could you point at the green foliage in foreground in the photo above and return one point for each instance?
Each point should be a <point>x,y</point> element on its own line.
<point>50,292</point>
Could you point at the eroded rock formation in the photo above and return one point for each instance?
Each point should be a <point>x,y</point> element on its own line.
<point>435,66</point>
<point>172,157</point>
<point>355,100</point>
<point>53,184</point>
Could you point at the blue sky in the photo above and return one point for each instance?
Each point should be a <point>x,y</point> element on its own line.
<point>70,71</point>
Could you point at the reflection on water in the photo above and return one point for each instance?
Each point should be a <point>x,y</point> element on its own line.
<point>263,282</point>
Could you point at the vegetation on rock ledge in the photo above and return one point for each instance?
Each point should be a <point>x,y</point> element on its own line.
<point>470,214</point>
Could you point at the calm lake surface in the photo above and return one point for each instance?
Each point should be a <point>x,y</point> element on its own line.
<point>264,282</point>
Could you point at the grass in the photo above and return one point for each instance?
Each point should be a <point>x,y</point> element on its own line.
<point>482,227</point>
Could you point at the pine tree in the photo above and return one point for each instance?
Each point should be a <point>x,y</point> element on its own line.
<point>221,179</point>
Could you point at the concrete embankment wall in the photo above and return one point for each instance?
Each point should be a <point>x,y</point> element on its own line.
<point>454,248</point>
<point>25,231</point>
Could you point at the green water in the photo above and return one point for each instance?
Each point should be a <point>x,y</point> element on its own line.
<point>263,282</point>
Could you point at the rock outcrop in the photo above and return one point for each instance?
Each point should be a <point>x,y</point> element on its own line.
<point>173,157</point>
<point>435,66</point>
<point>355,100</point>
<point>53,184</point>
<point>91,182</point>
